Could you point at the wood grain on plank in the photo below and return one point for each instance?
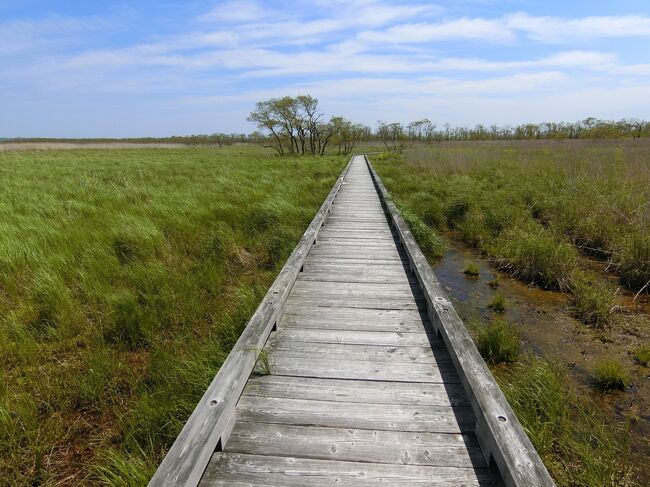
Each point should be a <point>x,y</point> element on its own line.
<point>378,392</point>
<point>228,469</point>
<point>356,445</point>
<point>389,417</point>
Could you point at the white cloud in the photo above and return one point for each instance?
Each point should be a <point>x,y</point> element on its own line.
<point>556,29</point>
<point>237,11</point>
<point>464,28</point>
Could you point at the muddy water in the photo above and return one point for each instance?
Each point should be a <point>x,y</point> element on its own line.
<point>548,330</point>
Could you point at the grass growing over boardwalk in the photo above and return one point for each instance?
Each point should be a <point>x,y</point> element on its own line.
<point>125,278</point>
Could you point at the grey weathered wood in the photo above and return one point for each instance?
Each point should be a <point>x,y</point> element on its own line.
<point>356,445</point>
<point>375,392</point>
<point>384,338</point>
<point>307,320</point>
<point>355,288</point>
<point>235,470</point>
<point>371,353</point>
<point>388,417</point>
<point>340,368</point>
<point>381,316</point>
<point>500,434</point>
<point>212,418</point>
<point>361,391</point>
<point>337,260</point>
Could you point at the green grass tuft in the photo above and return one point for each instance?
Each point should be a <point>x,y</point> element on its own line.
<point>498,342</point>
<point>498,303</point>
<point>609,375</point>
<point>576,445</point>
<point>592,301</point>
<point>642,355</point>
<point>430,243</point>
<point>471,269</point>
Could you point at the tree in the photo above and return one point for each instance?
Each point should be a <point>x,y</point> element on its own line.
<point>296,126</point>
<point>347,134</point>
<point>392,135</point>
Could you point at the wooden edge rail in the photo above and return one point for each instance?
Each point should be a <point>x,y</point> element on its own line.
<point>211,422</point>
<point>500,435</point>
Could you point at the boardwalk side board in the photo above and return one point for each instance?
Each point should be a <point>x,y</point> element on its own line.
<point>500,435</point>
<point>212,420</point>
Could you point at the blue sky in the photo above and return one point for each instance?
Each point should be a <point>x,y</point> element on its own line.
<point>152,68</point>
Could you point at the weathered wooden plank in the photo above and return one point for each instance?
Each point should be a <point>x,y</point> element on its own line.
<point>345,245</point>
<point>377,392</point>
<point>372,353</point>
<point>236,469</point>
<point>380,316</point>
<point>499,432</point>
<point>356,253</point>
<point>345,275</point>
<point>337,260</point>
<point>359,302</point>
<point>384,338</point>
<point>307,320</point>
<point>355,289</point>
<point>389,417</point>
<point>339,368</point>
<point>356,445</point>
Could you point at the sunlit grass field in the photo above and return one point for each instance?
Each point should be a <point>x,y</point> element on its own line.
<point>538,208</point>
<point>125,278</point>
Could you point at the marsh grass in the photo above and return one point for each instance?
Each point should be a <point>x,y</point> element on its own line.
<point>471,269</point>
<point>537,209</point>
<point>593,301</point>
<point>576,445</point>
<point>125,278</point>
<point>609,375</point>
<point>498,303</point>
<point>498,342</point>
<point>426,237</point>
<point>642,355</point>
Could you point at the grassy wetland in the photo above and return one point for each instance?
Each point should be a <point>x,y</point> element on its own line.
<point>561,230</point>
<point>125,278</point>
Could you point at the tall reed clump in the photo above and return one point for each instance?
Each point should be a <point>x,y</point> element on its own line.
<point>430,243</point>
<point>498,342</point>
<point>125,278</point>
<point>609,375</point>
<point>577,447</point>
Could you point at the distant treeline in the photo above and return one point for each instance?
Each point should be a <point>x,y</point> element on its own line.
<point>590,128</point>
<point>296,126</point>
<point>204,139</point>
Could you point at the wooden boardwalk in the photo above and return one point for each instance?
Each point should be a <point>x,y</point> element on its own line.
<point>355,386</point>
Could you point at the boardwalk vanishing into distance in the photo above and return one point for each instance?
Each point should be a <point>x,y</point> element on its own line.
<point>354,371</point>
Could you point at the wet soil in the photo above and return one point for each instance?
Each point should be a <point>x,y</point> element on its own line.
<point>547,328</point>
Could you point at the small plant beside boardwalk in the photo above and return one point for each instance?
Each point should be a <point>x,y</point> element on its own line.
<point>498,342</point>
<point>642,355</point>
<point>471,269</point>
<point>498,303</point>
<point>577,447</point>
<point>610,375</point>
